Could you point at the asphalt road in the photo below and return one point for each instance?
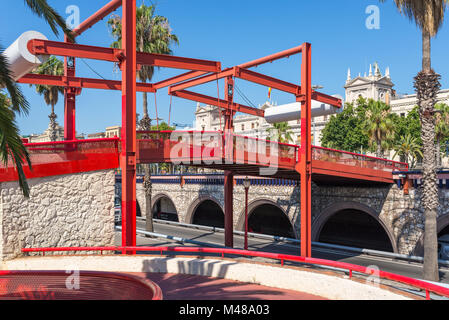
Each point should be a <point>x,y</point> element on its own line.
<point>409,269</point>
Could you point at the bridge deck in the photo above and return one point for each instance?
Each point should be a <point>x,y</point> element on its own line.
<point>259,157</point>
<point>242,155</point>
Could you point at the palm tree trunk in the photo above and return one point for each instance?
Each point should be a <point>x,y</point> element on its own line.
<point>52,132</point>
<point>379,152</point>
<point>427,86</point>
<point>145,125</point>
<point>148,190</point>
<point>438,153</point>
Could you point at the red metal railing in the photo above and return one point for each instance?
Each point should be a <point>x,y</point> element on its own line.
<point>66,157</point>
<point>94,285</point>
<point>427,287</point>
<point>156,145</point>
<point>356,160</point>
<point>197,147</point>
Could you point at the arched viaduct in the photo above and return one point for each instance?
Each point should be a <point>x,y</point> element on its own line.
<point>379,217</point>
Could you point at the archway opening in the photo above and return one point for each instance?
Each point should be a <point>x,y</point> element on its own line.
<point>443,232</point>
<point>355,228</point>
<point>138,211</point>
<point>164,209</point>
<point>270,219</point>
<point>209,213</point>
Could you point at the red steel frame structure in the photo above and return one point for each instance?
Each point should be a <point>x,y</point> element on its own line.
<point>201,71</point>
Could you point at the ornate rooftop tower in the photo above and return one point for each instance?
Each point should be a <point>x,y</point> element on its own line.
<point>374,86</point>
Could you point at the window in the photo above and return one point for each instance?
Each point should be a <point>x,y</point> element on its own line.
<point>243,127</point>
<point>252,125</point>
<point>402,115</point>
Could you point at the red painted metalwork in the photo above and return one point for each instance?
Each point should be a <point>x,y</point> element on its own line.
<point>128,148</point>
<point>66,157</point>
<point>223,104</point>
<point>46,47</point>
<point>183,77</point>
<point>159,145</point>
<point>69,100</point>
<point>95,285</point>
<point>98,16</point>
<point>75,82</point>
<point>304,167</point>
<point>246,218</point>
<point>416,283</point>
<point>228,207</point>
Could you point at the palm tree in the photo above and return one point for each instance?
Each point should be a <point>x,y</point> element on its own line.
<point>280,132</point>
<point>11,145</point>
<point>378,124</point>
<point>441,127</point>
<point>409,148</point>
<point>54,67</point>
<point>428,16</point>
<point>153,35</point>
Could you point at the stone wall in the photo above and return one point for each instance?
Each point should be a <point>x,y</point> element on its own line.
<point>401,216</point>
<point>62,211</point>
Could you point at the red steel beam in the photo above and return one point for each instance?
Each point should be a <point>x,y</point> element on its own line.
<point>202,80</point>
<point>46,47</point>
<point>167,61</point>
<point>267,81</point>
<point>75,82</point>
<point>69,100</point>
<point>180,78</point>
<point>128,152</point>
<point>98,16</point>
<point>255,77</point>
<point>305,164</point>
<point>271,58</point>
<point>217,102</point>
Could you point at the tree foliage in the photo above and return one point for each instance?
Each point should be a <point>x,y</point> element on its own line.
<point>344,131</point>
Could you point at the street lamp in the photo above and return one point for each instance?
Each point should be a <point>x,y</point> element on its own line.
<point>246,185</point>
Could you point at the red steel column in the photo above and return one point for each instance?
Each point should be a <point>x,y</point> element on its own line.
<point>128,152</point>
<point>229,176</point>
<point>305,165</point>
<point>69,100</point>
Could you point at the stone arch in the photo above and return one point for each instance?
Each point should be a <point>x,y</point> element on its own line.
<point>253,205</point>
<point>160,196</point>
<point>196,203</point>
<point>442,223</point>
<point>329,212</point>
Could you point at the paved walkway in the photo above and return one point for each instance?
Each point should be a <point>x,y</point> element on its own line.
<point>188,287</point>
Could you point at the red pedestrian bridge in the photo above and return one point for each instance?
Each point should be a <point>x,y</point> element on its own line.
<point>239,154</point>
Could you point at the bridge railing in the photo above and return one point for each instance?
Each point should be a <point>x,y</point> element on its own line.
<point>211,145</point>
<point>356,160</point>
<point>66,157</point>
<point>350,268</point>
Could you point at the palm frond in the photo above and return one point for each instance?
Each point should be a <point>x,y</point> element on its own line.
<point>43,10</point>
<point>11,146</point>
<point>18,101</point>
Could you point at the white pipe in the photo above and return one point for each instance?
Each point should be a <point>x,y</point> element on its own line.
<point>20,59</point>
<point>292,111</point>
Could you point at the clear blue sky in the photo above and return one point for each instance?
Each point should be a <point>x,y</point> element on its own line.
<point>236,31</point>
